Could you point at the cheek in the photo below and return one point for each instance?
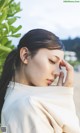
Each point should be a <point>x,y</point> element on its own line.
<point>41,67</point>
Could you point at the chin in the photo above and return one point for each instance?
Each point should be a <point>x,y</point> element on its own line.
<point>44,85</point>
<point>39,84</point>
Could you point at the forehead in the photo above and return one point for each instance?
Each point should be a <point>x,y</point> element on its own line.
<point>57,53</point>
<point>44,52</point>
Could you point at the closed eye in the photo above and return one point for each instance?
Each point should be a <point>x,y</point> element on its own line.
<point>52,62</point>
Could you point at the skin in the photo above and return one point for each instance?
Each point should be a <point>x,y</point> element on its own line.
<point>45,65</point>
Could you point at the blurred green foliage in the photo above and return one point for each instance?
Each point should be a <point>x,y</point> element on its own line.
<point>8,11</point>
<point>74,63</point>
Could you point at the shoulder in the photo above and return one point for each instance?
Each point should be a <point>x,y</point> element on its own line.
<point>21,105</point>
<point>17,108</point>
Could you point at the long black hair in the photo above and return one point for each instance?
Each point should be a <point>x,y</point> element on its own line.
<point>33,40</point>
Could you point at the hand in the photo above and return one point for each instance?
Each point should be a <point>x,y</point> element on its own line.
<point>69,80</point>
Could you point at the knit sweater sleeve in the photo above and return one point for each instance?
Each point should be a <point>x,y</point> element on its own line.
<point>52,111</point>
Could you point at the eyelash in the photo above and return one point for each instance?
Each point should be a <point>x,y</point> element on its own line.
<point>52,62</point>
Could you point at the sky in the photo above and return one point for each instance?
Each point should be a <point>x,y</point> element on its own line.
<point>61,18</point>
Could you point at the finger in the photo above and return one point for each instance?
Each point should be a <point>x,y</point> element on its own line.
<point>66,65</point>
<point>69,80</point>
<point>60,80</point>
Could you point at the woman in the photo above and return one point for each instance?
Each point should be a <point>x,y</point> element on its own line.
<point>28,103</point>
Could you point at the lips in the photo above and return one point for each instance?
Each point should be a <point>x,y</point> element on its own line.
<point>49,81</point>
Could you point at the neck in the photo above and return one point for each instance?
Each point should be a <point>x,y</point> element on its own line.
<point>19,77</point>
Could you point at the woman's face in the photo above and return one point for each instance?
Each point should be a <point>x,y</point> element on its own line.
<point>43,68</point>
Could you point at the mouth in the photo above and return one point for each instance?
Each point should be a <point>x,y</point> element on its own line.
<point>49,81</point>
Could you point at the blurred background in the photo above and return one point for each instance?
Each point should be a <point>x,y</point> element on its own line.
<point>62,18</point>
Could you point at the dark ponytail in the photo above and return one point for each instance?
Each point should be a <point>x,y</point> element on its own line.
<point>6,76</point>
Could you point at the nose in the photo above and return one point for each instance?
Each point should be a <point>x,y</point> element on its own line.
<point>56,70</point>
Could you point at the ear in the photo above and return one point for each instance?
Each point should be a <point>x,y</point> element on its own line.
<point>24,55</point>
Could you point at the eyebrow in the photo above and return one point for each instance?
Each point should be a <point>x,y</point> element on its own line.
<point>57,57</point>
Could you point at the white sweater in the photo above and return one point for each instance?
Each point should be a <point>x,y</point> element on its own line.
<point>29,109</point>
